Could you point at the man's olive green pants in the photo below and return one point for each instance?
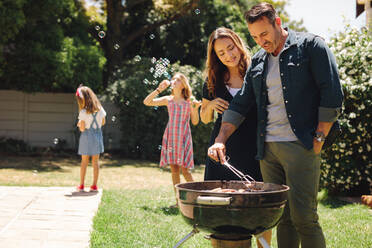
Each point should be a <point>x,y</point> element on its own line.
<point>291,164</point>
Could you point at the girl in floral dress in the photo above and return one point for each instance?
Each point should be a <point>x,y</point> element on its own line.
<point>177,149</point>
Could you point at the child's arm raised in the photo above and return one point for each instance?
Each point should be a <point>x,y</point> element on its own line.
<point>150,100</point>
<point>195,111</point>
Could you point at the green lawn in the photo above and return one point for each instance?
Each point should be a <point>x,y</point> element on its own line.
<point>134,208</point>
<point>141,218</point>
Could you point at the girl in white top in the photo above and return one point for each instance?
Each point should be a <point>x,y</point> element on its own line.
<point>91,119</point>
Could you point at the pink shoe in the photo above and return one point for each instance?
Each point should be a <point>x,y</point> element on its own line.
<point>80,187</point>
<point>93,188</point>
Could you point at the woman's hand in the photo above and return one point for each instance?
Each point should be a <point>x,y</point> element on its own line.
<point>195,103</point>
<point>219,105</point>
<point>163,85</point>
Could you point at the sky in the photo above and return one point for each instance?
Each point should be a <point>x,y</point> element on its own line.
<point>324,17</point>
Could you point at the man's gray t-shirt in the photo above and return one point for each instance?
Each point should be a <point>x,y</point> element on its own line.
<point>278,127</point>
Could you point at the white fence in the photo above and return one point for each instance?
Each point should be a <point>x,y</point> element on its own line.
<point>39,119</point>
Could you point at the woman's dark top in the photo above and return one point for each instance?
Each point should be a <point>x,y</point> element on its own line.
<point>240,147</point>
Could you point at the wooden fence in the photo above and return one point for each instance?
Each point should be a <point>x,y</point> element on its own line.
<point>46,119</point>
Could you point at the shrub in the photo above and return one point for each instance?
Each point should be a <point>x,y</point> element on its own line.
<point>347,163</point>
<point>143,126</point>
<point>13,146</point>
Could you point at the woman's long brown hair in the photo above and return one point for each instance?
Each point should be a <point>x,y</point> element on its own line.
<point>215,70</point>
<point>88,100</point>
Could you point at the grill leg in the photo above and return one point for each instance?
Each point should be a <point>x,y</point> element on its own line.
<point>262,241</point>
<point>192,233</point>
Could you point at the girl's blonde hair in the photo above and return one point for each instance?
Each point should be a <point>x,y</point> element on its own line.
<point>215,70</point>
<point>186,91</point>
<point>87,100</point>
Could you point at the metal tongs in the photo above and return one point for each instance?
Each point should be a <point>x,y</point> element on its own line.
<point>238,173</point>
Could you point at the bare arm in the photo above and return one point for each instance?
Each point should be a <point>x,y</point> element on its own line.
<point>195,112</point>
<point>218,150</point>
<point>206,112</point>
<point>81,125</point>
<point>150,100</point>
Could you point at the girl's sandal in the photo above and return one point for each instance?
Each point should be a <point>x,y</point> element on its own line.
<point>93,188</point>
<point>80,188</point>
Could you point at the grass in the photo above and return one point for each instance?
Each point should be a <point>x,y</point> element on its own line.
<point>134,208</point>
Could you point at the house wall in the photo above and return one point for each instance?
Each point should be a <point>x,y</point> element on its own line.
<point>41,118</point>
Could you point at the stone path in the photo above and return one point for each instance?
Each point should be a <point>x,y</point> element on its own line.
<point>46,217</point>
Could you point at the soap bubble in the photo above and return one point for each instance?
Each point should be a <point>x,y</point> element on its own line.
<point>152,36</point>
<point>56,141</point>
<point>197,11</point>
<point>159,147</point>
<point>101,34</point>
<point>97,28</point>
<point>116,46</point>
<point>153,60</point>
<point>145,81</point>
<point>123,3</point>
<point>113,118</point>
<point>137,58</point>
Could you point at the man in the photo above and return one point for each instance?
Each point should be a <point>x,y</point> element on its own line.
<point>294,81</point>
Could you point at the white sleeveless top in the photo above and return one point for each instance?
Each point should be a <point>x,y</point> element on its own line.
<point>232,91</point>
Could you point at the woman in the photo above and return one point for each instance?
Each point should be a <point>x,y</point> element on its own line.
<point>227,62</point>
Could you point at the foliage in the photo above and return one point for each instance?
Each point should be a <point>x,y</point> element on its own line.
<point>177,30</point>
<point>143,126</point>
<point>49,54</point>
<point>12,20</point>
<point>187,39</point>
<point>347,165</point>
<point>280,9</point>
<point>13,146</point>
<point>130,25</point>
<point>53,46</point>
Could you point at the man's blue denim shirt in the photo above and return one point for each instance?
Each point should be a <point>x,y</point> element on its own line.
<point>310,84</point>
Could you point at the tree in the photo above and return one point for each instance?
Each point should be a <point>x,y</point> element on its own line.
<point>129,21</point>
<point>292,24</point>
<point>177,29</point>
<point>12,20</point>
<point>49,53</point>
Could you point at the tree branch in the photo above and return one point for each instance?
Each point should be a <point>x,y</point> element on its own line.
<point>148,28</point>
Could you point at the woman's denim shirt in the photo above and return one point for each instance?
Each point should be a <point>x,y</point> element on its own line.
<point>311,88</point>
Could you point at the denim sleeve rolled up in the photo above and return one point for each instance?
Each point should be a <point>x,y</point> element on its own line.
<point>311,88</point>
<point>240,105</point>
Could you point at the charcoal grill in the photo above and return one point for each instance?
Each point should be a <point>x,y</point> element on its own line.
<point>232,215</point>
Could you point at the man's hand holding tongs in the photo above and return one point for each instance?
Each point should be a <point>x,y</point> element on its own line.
<point>217,152</point>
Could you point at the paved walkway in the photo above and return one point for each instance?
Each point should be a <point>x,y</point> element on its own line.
<point>46,217</point>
